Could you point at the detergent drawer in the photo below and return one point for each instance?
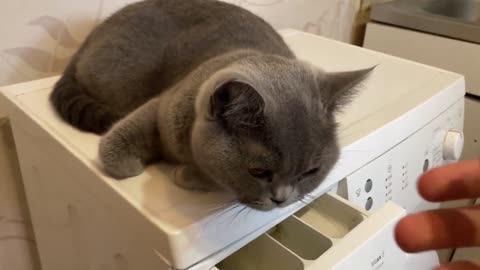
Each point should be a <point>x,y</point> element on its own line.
<point>329,233</point>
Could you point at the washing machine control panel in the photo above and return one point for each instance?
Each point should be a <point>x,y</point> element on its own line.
<point>394,175</point>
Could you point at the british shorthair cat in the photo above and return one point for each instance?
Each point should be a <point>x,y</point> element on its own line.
<point>212,88</point>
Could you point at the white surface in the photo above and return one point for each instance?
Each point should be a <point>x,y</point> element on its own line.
<point>450,54</point>
<point>16,237</point>
<point>400,98</point>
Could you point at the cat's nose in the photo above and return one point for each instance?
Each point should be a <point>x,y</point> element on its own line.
<point>281,194</point>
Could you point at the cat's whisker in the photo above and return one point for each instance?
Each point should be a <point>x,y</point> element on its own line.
<point>236,213</point>
<point>302,201</point>
<point>310,206</point>
<point>219,214</point>
<point>310,196</point>
<point>218,207</point>
<point>222,215</point>
<point>249,211</point>
<point>219,210</point>
<point>239,212</point>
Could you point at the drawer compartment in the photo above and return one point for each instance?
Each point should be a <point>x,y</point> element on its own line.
<point>331,215</point>
<point>264,253</point>
<point>302,240</point>
<point>321,236</point>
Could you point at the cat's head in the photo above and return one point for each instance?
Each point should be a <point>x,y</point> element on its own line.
<point>266,128</point>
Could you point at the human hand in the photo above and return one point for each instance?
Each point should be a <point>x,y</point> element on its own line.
<point>445,228</point>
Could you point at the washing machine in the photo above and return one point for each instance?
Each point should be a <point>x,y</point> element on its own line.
<point>406,119</point>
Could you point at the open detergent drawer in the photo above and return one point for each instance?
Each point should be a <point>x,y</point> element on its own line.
<point>329,233</point>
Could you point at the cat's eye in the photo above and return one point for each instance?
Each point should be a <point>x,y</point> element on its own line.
<point>261,173</point>
<point>310,172</point>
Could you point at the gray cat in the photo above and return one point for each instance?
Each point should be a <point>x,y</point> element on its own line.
<point>211,87</point>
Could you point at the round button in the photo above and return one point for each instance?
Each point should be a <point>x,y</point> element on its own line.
<point>453,145</point>
<point>426,165</point>
<point>369,204</point>
<point>368,185</point>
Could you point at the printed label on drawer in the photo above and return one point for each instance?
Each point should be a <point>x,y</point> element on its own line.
<point>370,245</point>
<point>378,254</point>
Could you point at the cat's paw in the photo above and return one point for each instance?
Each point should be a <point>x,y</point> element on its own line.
<point>118,163</point>
<point>123,168</point>
<point>190,178</point>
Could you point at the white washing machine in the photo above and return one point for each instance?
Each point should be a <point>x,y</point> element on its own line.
<point>408,118</point>
<point>444,34</point>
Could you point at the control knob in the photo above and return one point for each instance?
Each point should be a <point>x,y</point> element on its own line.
<point>453,145</point>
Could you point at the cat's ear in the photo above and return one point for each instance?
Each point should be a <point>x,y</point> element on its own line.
<point>237,104</point>
<point>339,88</point>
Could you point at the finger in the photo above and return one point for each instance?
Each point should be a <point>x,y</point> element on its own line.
<point>437,229</point>
<point>451,182</point>
<point>460,265</point>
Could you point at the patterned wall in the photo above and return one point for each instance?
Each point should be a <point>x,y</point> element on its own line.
<point>41,35</point>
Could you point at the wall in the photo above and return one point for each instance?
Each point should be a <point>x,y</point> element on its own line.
<point>362,19</point>
<point>42,35</point>
<point>38,37</point>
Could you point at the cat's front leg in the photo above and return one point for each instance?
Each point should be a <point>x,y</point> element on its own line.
<point>131,143</point>
<point>189,177</point>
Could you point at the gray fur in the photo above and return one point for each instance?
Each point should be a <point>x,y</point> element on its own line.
<point>211,87</point>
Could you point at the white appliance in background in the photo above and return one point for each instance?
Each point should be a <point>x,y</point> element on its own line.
<point>408,118</point>
<point>440,33</point>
